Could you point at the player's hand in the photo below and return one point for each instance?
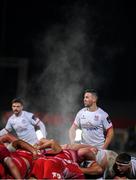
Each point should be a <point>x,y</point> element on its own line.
<point>35,154</point>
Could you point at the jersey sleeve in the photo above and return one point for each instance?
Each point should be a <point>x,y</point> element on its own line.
<point>133,162</point>
<point>77,120</point>
<point>8,126</point>
<point>32,118</point>
<point>106,121</point>
<point>35,119</point>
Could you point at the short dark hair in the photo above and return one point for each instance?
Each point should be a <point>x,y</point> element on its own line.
<point>123,158</point>
<point>17,100</point>
<point>92,91</point>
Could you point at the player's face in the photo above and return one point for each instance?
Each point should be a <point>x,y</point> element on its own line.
<point>17,108</point>
<point>122,168</point>
<point>89,99</point>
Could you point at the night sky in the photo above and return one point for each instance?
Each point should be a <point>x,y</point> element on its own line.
<point>97,38</point>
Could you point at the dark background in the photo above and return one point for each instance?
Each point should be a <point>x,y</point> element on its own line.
<point>109,29</point>
<point>50,51</point>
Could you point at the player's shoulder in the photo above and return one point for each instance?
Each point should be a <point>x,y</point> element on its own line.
<point>11,117</point>
<point>110,153</point>
<point>133,164</point>
<point>101,111</point>
<point>133,159</point>
<point>26,113</point>
<point>83,110</point>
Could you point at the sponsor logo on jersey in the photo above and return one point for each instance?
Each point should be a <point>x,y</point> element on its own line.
<point>89,126</point>
<point>83,117</point>
<point>96,118</point>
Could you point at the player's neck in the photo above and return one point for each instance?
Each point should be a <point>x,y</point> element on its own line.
<point>18,114</point>
<point>93,108</point>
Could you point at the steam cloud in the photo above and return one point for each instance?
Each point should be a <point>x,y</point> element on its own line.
<point>67,72</point>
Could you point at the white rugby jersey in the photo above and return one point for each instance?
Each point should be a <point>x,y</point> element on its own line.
<point>23,126</point>
<point>93,126</point>
<point>108,158</point>
<point>133,170</point>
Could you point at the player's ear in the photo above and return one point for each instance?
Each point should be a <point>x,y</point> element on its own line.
<point>94,98</point>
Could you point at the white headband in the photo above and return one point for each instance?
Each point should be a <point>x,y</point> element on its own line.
<point>124,164</point>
